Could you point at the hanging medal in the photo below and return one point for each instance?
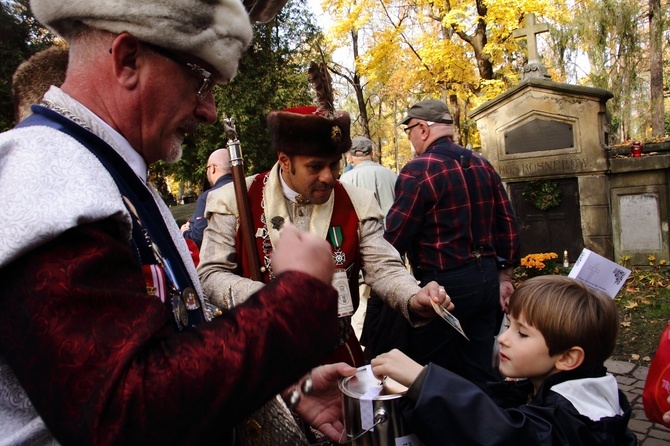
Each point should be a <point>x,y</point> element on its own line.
<point>335,236</point>
<point>345,305</point>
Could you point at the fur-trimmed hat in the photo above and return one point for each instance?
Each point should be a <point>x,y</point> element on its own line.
<point>304,131</point>
<point>34,77</point>
<point>216,31</point>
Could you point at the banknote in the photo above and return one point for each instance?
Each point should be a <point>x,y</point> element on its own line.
<point>450,318</point>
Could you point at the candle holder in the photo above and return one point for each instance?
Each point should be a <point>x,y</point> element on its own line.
<point>636,149</point>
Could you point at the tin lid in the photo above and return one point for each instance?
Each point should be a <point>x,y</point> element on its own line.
<point>364,383</point>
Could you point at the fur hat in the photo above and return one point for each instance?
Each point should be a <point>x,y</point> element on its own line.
<point>216,31</point>
<point>304,131</point>
<point>34,77</point>
<point>312,130</point>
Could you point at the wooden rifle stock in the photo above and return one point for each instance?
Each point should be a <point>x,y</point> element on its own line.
<point>242,198</point>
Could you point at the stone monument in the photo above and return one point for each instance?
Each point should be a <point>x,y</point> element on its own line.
<point>549,143</point>
<point>551,136</point>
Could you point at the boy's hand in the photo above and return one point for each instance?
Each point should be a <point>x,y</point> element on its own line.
<point>397,366</point>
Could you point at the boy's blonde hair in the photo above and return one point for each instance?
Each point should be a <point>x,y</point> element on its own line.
<point>568,314</point>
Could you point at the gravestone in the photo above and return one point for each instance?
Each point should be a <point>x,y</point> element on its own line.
<point>611,203</point>
<point>541,130</point>
<point>640,197</point>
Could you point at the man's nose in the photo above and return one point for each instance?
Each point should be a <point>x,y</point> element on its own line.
<point>326,176</point>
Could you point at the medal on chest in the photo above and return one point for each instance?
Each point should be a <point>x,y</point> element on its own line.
<point>335,237</point>
<point>345,304</point>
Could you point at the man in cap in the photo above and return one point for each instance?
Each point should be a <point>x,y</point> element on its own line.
<point>453,217</point>
<point>219,174</point>
<point>369,174</point>
<point>102,321</point>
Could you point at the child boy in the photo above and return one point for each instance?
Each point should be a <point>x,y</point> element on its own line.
<point>559,336</point>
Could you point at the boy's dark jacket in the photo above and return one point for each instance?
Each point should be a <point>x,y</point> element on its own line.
<point>445,409</point>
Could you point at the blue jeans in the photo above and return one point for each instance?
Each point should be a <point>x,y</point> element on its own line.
<point>475,291</point>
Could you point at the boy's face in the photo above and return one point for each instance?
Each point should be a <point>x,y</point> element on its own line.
<point>524,353</point>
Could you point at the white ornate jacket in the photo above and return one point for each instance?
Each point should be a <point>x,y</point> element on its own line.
<point>51,183</point>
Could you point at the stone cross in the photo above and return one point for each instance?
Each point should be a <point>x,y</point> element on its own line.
<point>534,68</point>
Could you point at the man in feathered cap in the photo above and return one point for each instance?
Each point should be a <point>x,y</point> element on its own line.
<point>302,188</point>
<point>102,321</point>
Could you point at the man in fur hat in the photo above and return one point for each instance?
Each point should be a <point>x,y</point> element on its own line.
<point>102,334</point>
<point>302,188</point>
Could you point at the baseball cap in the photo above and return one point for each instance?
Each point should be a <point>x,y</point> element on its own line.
<point>360,145</point>
<point>429,110</point>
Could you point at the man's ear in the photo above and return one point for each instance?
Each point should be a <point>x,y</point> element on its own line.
<point>570,359</point>
<point>125,51</point>
<point>284,162</point>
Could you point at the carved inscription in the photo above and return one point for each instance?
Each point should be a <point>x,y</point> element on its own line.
<point>526,168</point>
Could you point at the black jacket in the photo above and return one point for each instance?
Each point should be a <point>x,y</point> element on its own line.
<point>444,409</point>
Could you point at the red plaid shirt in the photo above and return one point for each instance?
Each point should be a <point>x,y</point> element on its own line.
<point>431,218</point>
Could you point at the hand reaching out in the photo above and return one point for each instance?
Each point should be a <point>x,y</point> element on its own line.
<point>432,291</point>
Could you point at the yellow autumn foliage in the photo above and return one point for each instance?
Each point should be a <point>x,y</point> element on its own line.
<point>411,50</point>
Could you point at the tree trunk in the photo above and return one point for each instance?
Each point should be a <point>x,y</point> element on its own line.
<point>656,68</point>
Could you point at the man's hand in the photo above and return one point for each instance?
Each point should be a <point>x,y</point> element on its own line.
<point>506,287</point>
<point>185,227</point>
<point>322,408</point>
<point>304,252</point>
<point>420,302</point>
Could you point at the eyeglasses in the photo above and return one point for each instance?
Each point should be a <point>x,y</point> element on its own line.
<point>207,80</point>
<point>408,130</point>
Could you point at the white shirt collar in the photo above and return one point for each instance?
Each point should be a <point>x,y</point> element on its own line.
<point>288,192</point>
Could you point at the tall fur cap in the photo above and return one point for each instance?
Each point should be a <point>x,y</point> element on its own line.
<point>302,131</point>
<point>216,31</point>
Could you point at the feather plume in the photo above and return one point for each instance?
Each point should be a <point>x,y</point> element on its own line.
<point>318,76</point>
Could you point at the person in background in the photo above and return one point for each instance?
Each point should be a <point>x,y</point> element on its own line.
<point>560,334</point>
<point>348,166</point>
<point>370,174</point>
<point>378,179</point>
<point>453,218</point>
<point>105,337</point>
<point>219,174</point>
